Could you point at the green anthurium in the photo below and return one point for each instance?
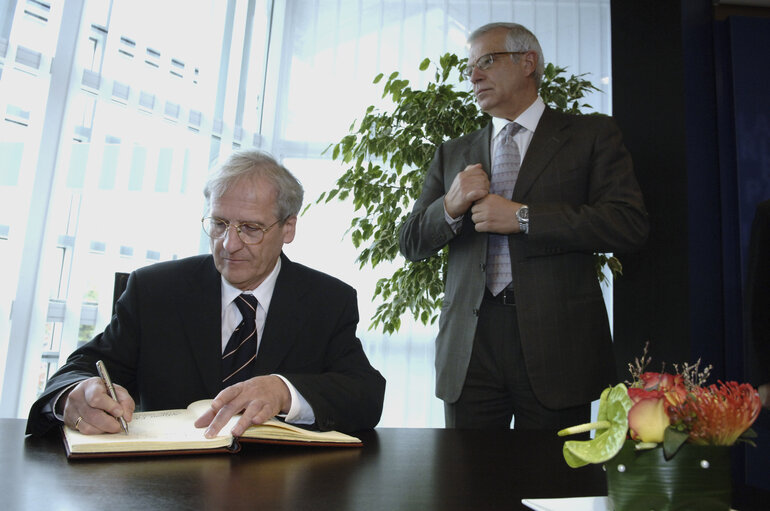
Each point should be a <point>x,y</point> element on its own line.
<point>611,430</point>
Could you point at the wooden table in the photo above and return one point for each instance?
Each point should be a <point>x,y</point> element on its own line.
<point>398,469</point>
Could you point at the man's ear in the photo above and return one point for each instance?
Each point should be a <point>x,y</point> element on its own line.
<point>289,229</point>
<point>530,62</point>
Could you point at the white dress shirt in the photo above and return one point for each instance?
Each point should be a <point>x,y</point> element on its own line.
<point>528,120</point>
<point>300,411</point>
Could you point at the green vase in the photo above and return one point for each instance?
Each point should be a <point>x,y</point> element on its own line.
<point>697,477</point>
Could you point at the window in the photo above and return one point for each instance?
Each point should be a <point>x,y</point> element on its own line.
<point>105,146</point>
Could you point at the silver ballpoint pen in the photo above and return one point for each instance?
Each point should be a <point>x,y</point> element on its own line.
<point>105,376</point>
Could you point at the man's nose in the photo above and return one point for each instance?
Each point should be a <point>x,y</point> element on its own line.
<point>476,74</point>
<point>231,240</point>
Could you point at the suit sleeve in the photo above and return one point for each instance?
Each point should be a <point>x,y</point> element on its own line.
<point>345,391</point>
<point>81,364</point>
<point>426,230</point>
<point>594,203</point>
<point>758,296</point>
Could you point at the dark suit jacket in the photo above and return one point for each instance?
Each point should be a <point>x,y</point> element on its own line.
<point>758,296</point>
<point>164,344</point>
<point>578,181</point>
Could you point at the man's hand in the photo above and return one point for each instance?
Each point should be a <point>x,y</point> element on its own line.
<point>495,214</point>
<point>468,186</point>
<point>259,399</point>
<point>90,409</point>
<point>764,395</point>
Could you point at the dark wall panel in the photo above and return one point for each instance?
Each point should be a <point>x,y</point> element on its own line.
<point>651,300</point>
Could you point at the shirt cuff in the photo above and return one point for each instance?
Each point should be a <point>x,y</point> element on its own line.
<point>454,223</point>
<point>55,402</point>
<point>300,411</point>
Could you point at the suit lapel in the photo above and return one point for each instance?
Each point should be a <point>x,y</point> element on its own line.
<point>549,136</point>
<point>285,319</point>
<point>477,150</point>
<point>201,317</point>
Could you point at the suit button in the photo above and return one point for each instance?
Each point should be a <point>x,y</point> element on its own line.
<point>476,312</point>
<point>483,267</point>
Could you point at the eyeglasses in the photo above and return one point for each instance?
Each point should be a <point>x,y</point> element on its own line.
<point>487,60</point>
<point>249,232</point>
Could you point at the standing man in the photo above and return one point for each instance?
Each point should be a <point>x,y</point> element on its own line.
<point>523,204</point>
<point>261,334</point>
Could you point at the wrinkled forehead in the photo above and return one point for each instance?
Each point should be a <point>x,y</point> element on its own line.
<point>250,191</point>
<point>488,42</point>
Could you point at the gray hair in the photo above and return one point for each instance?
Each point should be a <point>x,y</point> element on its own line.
<point>251,164</point>
<point>519,38</point>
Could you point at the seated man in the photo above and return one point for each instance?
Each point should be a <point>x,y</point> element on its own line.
<point>175,337</point>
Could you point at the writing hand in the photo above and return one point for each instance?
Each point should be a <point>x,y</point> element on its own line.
<point>258,399</point>
<point>468,186</point>
<point>90,409</point>
<point>495,214</point>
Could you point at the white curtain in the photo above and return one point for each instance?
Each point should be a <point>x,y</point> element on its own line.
<point>104,149</point>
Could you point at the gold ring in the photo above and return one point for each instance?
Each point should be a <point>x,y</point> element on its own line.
<point>77,422</point>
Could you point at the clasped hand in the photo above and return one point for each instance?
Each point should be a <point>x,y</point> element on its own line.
<point>90,409</point>
<point>489,212</point>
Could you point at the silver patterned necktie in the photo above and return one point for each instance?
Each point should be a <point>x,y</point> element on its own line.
<point>505,170</point>
<point>241,350</point>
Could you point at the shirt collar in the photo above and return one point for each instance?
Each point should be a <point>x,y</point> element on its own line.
<point>263,292</point>
<point>528,118</point>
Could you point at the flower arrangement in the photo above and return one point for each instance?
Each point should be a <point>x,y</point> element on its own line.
<point>668,409</point>
<point>641,426</point>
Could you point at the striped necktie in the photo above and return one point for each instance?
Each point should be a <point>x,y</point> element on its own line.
<point>240,354</point>
<point>505,170</point>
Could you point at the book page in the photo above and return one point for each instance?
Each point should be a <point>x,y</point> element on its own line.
<point>274,429</point>
<point>151,431</point>
<point>167,430</point>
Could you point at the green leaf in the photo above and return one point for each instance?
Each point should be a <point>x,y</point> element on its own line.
<point>673,440</point>
<point>749,433</point>
<point>424,64</point>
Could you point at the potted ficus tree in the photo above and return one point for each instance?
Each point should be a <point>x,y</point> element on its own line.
<point>387,154</point>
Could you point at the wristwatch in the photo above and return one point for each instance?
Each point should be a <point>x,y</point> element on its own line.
<point>522,215</point>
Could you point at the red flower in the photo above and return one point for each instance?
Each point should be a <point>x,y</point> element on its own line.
<point>717,414</point>
<point>661,381</point>
<point>671,384</point>
<point>653,395</point>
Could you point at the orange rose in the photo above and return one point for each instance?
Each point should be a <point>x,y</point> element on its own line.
<point>648,416</point>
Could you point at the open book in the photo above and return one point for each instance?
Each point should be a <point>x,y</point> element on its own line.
<point>173,432</point>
